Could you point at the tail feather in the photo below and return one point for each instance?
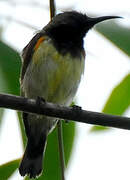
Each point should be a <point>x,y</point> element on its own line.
<point>31,163</point>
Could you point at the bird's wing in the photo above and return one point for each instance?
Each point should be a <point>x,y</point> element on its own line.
<point>26,59</point>
<point>28,52</point>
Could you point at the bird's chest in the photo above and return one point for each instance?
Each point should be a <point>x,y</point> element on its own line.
<point>53,76</point>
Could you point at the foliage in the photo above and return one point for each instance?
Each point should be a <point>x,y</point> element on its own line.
<point>119,99</point>
<point>7,169</point>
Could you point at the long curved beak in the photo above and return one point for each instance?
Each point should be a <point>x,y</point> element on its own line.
<point>93,21</point>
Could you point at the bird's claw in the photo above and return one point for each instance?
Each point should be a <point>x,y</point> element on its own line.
<point>40,100</point>
<point>76,108</point>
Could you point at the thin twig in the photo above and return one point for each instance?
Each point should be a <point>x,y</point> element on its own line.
<point>52,9</point>
<point>59,124</point>
<point>63,112</point>
<point>61,149</point>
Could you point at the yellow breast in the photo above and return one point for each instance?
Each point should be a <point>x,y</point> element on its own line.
<point>53,76</point>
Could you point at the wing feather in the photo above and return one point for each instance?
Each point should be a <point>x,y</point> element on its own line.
<point>28,52</point>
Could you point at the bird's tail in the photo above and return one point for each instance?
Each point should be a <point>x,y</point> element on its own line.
<point>31,163</point>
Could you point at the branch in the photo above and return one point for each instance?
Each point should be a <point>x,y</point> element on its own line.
<point>52,9</point>
<point>59,111</point>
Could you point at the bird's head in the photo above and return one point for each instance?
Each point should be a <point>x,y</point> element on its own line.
<point>68,29</point>
<point>72,25</point>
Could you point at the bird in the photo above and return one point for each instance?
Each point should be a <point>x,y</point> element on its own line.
<point>53,63</point>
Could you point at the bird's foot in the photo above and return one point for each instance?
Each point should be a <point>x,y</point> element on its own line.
<point>40,101</point>
<point>76,108</point>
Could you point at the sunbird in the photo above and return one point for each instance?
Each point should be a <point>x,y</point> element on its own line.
<point>52,66</point>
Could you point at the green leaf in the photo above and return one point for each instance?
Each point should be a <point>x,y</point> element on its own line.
<point>117,34</point>
<point>7,169</point>
<point>97,129</point>
<point>10,69</point>
<point>9,73</point>
<point>19,116</point>
<point>118,102</point>
<point>69,130</point>
<point>51,159</point>
<point>119,99</point>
